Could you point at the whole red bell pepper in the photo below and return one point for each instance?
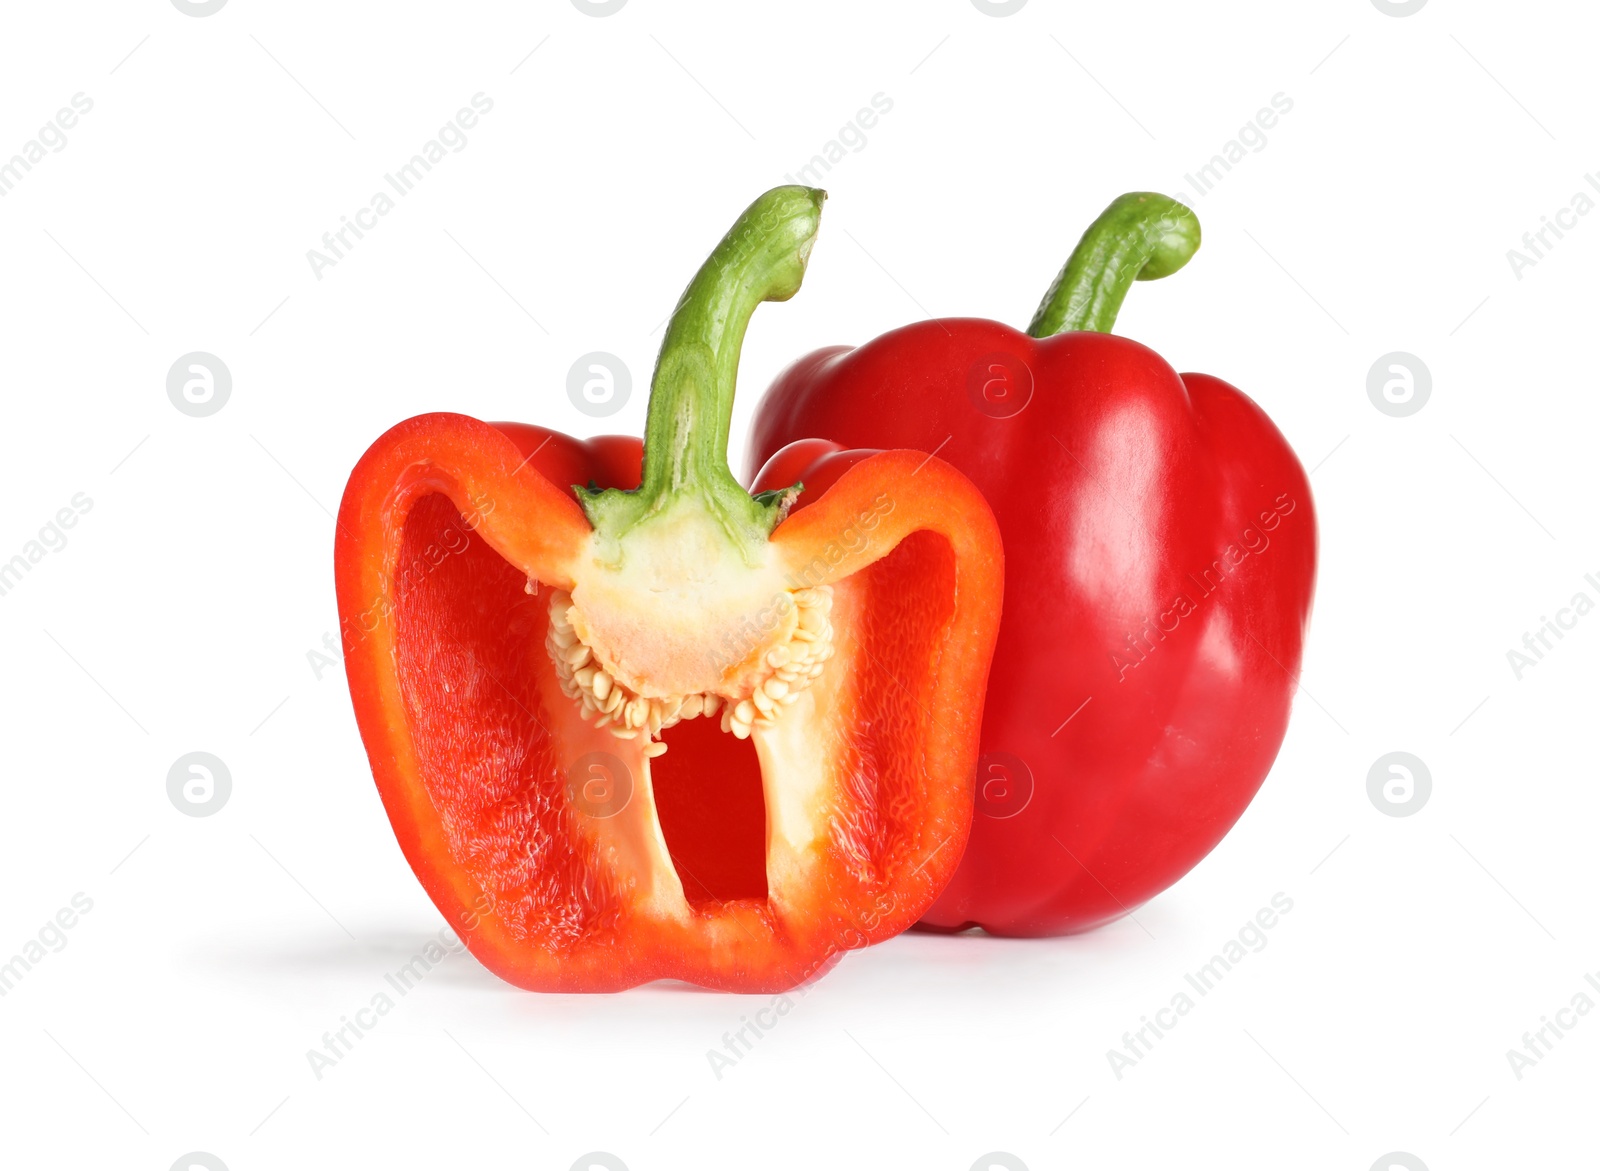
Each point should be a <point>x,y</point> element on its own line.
<point>522,659</point>
<point>1161,552</point>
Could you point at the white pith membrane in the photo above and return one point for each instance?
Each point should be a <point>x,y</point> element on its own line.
<point>753,695</point>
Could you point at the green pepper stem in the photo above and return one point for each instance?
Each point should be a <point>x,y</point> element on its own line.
<point>762,258</point>
<point>1142,236</point>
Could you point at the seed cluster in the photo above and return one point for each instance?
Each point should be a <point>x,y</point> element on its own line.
<point>789,669</point>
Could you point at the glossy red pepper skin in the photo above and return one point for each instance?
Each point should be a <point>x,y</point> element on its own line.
<point>1161,553</point>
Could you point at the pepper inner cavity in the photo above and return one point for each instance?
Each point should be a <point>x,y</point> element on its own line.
<point>754,696</point>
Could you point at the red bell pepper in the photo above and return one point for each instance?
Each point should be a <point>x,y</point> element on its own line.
<point>520,662</point>
<point>1161,553</point>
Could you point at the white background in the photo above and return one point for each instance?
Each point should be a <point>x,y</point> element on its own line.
<point>179,615</point>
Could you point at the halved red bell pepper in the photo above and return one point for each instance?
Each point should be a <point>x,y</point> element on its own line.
<point>1161,553</point>
<point>521,660</point>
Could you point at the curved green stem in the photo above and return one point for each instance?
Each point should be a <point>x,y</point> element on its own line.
<point>762,258</point>
<point>1140,237</point>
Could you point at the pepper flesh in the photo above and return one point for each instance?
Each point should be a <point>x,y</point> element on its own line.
<point>574,857</point>
<point>1161,545</point>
